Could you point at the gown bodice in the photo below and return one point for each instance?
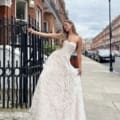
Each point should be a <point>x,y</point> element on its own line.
<point>68,47</point>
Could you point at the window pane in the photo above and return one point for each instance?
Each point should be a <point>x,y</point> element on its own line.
<point>20,10</point>
<point>38,17</point>
<point>45,27</point>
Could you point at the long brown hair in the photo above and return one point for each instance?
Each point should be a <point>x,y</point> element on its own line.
<point>65,34</point>
<point>73,28</point>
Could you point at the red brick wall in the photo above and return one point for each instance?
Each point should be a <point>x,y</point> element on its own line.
<point>8,12</point>
<point>5,11</point>
<point>103,37</point>
<point>50,19</point>
<point>32,11</point>
<point>38,4</point>
<point>11,11</point>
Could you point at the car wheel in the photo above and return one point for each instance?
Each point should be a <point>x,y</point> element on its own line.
<point>99,60</point>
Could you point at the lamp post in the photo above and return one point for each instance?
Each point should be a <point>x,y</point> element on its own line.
<point>110,37</point>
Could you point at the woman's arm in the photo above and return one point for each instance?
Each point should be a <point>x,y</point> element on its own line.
<point>79,55</point>
<point>47,35</point>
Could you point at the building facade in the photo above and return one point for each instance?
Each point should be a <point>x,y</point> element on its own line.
<point>87,44</point>
<point>48,14</point>
<point>22,9</point>
<point>54,15</point>
<point>102,40</point>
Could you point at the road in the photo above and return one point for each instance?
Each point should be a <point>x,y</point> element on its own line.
<point>116,65</point>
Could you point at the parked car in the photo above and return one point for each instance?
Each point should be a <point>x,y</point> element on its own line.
<point>116,53</point>
<point>103,55</point>
<point>90,54</point>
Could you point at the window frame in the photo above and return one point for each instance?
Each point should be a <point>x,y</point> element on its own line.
<point>26,10</point>
<point>39,20</point>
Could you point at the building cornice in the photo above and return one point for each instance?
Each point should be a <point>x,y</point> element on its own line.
<point>7,3</point>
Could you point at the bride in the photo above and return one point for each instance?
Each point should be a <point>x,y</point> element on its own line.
<point>58,94</point>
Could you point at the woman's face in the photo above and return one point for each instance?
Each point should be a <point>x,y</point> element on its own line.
<point>67,26</point>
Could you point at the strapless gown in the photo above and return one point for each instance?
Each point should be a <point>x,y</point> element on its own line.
<point>58,94</point>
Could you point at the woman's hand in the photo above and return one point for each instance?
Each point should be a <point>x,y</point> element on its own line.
<point>79,71</point>
<point>43,34</point>
<point>31,30</point>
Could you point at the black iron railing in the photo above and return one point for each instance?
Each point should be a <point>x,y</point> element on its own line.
<point>21,62</point>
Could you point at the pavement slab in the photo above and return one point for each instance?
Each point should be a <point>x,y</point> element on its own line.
<point>101,91</point>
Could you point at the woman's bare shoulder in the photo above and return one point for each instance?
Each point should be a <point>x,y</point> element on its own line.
<point>78,38</point>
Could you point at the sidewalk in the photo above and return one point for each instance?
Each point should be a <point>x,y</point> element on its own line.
<point>101,90</point>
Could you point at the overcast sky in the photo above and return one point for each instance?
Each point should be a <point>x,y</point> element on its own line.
<point>91,16</point>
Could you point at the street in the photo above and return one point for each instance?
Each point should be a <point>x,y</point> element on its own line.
<point>116,65</point>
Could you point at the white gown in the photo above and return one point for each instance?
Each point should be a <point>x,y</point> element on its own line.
<point>58,94</point>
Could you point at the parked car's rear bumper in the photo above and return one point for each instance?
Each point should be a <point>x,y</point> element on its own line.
<point>102,59</point>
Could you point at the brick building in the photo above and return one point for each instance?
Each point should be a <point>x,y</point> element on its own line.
<point>49,14</point>
<point>87,44</point>
<point>21,9</point>
<point>54,15</point>
<point>102,39</point>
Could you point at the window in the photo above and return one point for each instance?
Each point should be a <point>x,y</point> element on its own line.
<point>21,9</point>
<point>38,17</point>
<point>45,26</point>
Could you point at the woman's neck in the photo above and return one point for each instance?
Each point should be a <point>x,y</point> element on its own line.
<point>70,32</point>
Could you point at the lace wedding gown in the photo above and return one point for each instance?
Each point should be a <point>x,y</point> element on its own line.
<point>58,94</point>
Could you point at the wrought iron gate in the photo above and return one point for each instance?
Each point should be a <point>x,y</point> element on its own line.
<point>21,61</point>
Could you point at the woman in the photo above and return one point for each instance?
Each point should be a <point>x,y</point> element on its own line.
<point>58,94</point>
